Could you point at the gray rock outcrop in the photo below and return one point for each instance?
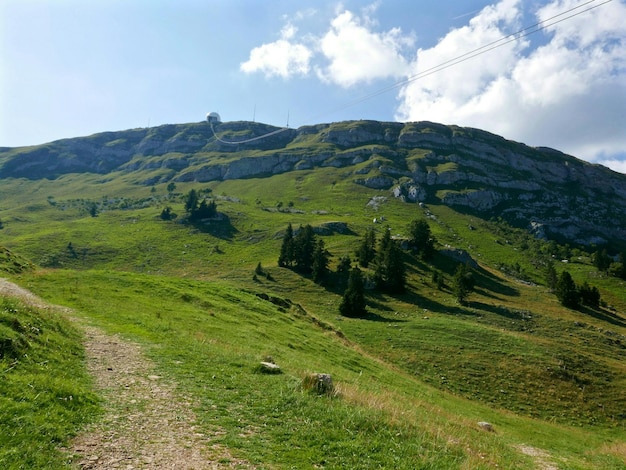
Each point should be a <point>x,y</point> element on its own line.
<point>468,169</point>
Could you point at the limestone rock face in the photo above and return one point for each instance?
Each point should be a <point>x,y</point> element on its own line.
<point>471,170</point>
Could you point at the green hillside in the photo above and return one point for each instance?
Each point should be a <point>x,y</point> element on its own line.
<point>207,301</point>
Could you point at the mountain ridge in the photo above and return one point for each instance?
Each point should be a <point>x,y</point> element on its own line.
<point>537,188</point>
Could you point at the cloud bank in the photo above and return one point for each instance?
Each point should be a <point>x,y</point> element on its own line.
<point>564,86</point>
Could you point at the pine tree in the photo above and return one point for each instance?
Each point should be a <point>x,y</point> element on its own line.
<point>463,282</point>
<point>601,260</point>
<point>551,276</point>
<point>303,247</point>
<point>191,202</point>
<point>205,210</point>
<point>589,295</point>
<point>320,262</point>
<point>353,301</point>
<point>366,252</point>
<point>421,239</point>
<point>396,272</point>
<point>344,264</point>
<point>566,291</point>
<point>286,257</point>
<point>380,271</point>
<point>390,273</point>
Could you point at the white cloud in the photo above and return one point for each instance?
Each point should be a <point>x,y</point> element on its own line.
<point>348,53</point>
<point>282,58</point>
<point>568,93</point>
<point>358,54</point>
<point>563,87</point>
<point>614,164</point>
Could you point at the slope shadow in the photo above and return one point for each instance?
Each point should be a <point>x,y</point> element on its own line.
<point>604,315</point>
<point>219,227</point>
<point>484,279</point>
<point>500,310</point>
<point>371,316</point>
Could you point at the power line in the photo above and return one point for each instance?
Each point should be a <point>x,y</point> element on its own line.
<point>522,33</point>
<point>237,142</point>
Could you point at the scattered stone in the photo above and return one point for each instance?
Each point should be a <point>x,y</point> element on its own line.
<point>459,255</point>
<point>269,368</point>
<point>486,426</point>
<point>321,384</point>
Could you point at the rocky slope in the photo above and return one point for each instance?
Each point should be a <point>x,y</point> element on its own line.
<point>471,170</point>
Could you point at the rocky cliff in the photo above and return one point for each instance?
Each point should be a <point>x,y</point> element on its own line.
<point>469,169</point>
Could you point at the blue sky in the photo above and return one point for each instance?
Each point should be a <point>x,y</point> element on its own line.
<point>73,67</point>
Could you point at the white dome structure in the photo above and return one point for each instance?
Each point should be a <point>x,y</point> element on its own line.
<point>213,117</point>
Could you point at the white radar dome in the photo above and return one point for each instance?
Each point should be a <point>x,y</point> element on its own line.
<point>213,117</point>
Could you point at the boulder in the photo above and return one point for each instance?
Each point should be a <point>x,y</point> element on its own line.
<point>269,368</point>
<point>459,255</point>
<point>485,426</point>
<point>322,384</point>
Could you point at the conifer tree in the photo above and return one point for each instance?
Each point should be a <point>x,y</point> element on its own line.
<point>191,202</point>
<point>421,238</point>
<point>286,257</point>
<point>303,248</point>
<point>463,282</point>
<point>206,210</point>
<point>353,301</point>
<point>320,262</point>
<point>366,252</point>
<point>390,273</point>
<point>551,276</point>
<point>601,260</point>
<point>566,291</point>
<point>589,295</point>
<point>396,272</point>
<point>166,214</point>
<point>344,264</point>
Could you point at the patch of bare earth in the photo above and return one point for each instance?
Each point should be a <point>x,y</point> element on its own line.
<point>148,423</point>
<point>541,457</point>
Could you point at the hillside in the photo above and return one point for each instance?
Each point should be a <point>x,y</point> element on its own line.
<point>553,194</point>
<point>206,300</point>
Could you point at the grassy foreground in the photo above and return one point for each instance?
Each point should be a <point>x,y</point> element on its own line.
<point>210,337</point>
<point>45,392</point>
<point>413,378</point>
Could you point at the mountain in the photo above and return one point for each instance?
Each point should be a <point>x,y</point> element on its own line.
<point>540,189</point>
<point>506,376</point>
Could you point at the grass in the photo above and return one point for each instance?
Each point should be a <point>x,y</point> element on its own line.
<point>45,392</point>
<point>211,336</point>
<point>413,378</point>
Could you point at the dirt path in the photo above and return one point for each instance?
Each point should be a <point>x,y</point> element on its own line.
<point>147,423</point>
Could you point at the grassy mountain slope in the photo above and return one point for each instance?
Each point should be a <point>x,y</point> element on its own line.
<point>468,169</point>
<point>210,336</point>
<point>414,376</point>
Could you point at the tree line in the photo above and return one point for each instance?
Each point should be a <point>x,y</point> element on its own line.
<point>197,206</point>
<point>302,251</point>
<point>568,292</point>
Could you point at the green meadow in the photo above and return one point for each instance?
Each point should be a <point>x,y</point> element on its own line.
<point>413,377</point>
